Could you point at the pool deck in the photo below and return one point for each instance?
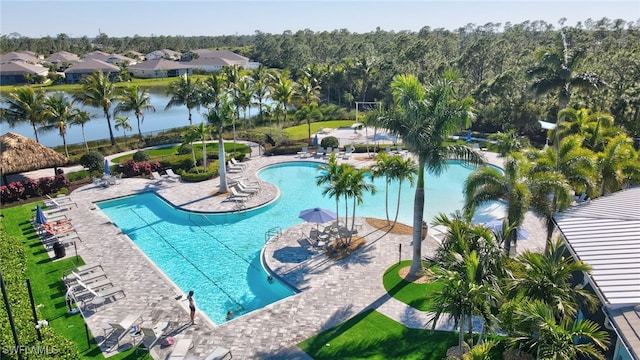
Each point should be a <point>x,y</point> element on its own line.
<point>331,292</point>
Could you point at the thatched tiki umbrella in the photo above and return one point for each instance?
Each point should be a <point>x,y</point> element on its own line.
<point>20,154</point>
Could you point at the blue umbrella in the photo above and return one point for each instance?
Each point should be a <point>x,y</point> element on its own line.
<point>315,141</point>
<point>496,226</point>
<point>469,136</point>
<point>40,218</point>
<point>107,171</point>
<point>317,215</point>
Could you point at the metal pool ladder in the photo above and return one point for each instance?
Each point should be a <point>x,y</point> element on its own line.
<point>273,232</point>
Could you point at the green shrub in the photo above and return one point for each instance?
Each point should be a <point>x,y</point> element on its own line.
<point>177,162</point>
<point>330,141</point>
<point>93,160</point>
<point>78,175</point>
<point>141,156</point>
<point>192,176</point>
<point>185,149</point>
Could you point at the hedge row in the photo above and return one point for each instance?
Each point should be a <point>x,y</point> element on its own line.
<point>31,188</point>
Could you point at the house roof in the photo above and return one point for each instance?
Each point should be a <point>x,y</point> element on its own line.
<point>226,54</point>
<point>160,64</point>
<point>20,68</point>
<point>17,56</point>
<point>96,55</point>
<point>605,233</point>
<point>627,322</point>
<point>91,65</point>
<point>62,56</point>
<point>112,57</point>
<point>209,62</point>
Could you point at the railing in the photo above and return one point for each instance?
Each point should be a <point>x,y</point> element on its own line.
<point>273,232</point>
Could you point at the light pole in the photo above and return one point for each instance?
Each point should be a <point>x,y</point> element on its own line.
<point>11,323</point>
<point>33,309</point>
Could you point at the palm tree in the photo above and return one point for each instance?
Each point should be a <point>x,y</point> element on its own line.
<point>490,184</point>
<point>330,174</point>
<point>261,89</point>
<point>356,185</point>
<point>136,100</point>
<point>25,105</point>
<point>58,110</point>
<point>123,122</point>
<point>203,133</point>
<point>394,168</point>
<point>219,117</point>
<point>618,165</point>
<point>509,142</point>
<point>425,119</point>
<point>243,98</point>
<point>547,278</point>
<point>98,91</point>
<point>189,137</point>
<point>546,337</point>
<point>595,127</point>
<point>184,92</point>
<point>81,117</point>
<point>283,91</point>
<point>308,113</point>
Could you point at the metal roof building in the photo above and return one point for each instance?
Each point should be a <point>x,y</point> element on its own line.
<point>605,233</point>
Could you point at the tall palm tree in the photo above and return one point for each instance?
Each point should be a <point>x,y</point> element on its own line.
<point>595,127</point>
<point>547,278</point>
<point>98,91</point>
<point>424,119</point>
<point>203,131</point>
<point>25,104</point>
<point>308,113</point>
<point>58,110</point>
<point>184,92</point>
<point>137,100</point>
<point>243,98</point>
<point>81,117</point>
<point>219,117</point>
<point>490,184</point>
<point>123,122</point>
<point>543,335</point>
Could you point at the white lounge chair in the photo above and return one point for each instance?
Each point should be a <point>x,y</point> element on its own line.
<point>233,168</point>
<point>181,349</point>
<point>150,336</point>
<point>238,196</point>
<point>172,175</point>
<point>120,329</point>
<point>237,163</point>
<point>157,177</point>
<point>219,353</point>
<point>304,152</point>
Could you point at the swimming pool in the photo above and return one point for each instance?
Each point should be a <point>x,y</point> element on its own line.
<point>218,255</point>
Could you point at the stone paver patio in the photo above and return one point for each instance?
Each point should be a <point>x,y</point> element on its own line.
<point>331,292</point>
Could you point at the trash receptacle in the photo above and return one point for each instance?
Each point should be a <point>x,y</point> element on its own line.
<point>59,250</point>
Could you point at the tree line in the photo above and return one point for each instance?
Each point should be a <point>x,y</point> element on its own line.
<point>513,71</point>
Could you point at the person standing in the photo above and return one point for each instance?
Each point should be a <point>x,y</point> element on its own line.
<point>192,307</point>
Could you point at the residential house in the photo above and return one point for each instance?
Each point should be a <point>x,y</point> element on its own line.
<point>138,56</point>
<point>62,59</point>
<point>120,60</point>
<point>208,64</point>
<point>85,67</point>
<point>605,233</point>
<point>166,54</point>
<point>96,55</point>
<point>18,72</point>
<point>23,57</point>
<point>160,68</point>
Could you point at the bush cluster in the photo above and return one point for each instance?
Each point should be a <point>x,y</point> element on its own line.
<point>133,169</point>
<point>31,188</point>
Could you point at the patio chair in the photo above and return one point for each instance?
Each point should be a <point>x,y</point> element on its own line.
<point>120,329</point>
<point>172,175</point>
<point>248,188</point>
<point>233,168</point>
<point>150,336</point>
<point>237,196</point>
<point>219,353</point>
<point>181,349</point>
<point>304,152</point>
<point>157,177</point>
<point>328,151</point>
<point>59,202</point>
<point>237,163</point>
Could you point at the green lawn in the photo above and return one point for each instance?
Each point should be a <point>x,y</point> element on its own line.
<point>301,131</point>
<point>412,294</point>
<point>173,150</point>
<point>48,290</point>
<point>371,335</point>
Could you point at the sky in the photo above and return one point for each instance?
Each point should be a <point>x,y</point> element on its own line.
<point>120,18</point>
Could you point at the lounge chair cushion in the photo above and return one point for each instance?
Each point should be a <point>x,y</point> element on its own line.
<point>219,353</point>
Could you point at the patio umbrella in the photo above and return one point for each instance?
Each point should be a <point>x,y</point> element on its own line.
<point>496,226</point>
<point>317,215</point>
<point>107,171</point>
<point>40,218</point>
<point>315,141</point>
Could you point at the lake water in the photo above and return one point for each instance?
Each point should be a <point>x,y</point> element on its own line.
<point>96,129</point>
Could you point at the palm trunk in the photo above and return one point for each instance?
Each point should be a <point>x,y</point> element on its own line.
<point>461,333</point>
<point>418,213</point>
<point>386,199</point>
<point>204,155</point>
<point>139,131</point>
<point>113,139</point>
<point>64,142</point>
<point>84,139</point>
<point>35,131</point>
<point>190,123</point>
<point>470,321</point>
<point>395,219</point>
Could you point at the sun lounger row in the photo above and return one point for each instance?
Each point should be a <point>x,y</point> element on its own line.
<point>89,283</point>
<point>169,175</point>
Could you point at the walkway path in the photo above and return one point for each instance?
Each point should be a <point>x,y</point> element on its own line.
<point>331,292</point>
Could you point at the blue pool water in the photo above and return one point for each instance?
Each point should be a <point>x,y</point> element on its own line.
<point>218,255</point>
